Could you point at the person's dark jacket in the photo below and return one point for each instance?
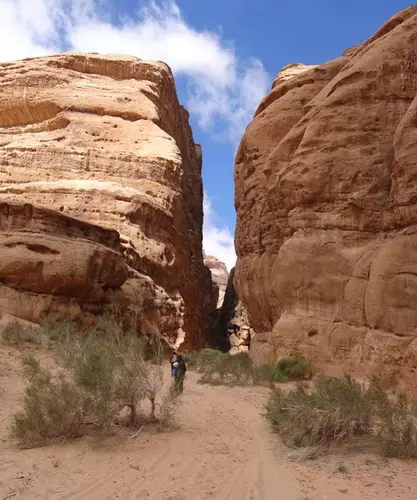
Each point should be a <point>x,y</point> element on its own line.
<point>182,367</point>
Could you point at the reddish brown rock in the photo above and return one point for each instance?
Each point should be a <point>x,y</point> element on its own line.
<point>101,142</point>
<point>234,324</point>
<point>326,198</point>
<point>219,278</point>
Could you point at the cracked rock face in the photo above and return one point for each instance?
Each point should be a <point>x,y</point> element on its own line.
<point>100,194</point>
<point>326,198</point>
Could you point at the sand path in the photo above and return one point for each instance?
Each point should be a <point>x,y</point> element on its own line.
<point>223,450</point>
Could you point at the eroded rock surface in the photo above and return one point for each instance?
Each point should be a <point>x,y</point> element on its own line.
<point>100,146</point>
<point>219,278</point>
<point>326,194</point>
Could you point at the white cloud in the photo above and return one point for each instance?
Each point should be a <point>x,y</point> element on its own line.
<point>31,28</point>
<point>218,240</point>
<point>223,91</point>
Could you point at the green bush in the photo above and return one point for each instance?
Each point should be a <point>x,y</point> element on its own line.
<point>339,410</point>
<point>398,434</point>
<point>292,368</point>
<point>218,368</point>
<point>268,374</point>
<point>103,376</point>
<point>221,368</point>
<point>52,409</point>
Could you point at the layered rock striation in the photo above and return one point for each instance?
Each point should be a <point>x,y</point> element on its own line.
<point>101,194</point>
<point>326,196</point>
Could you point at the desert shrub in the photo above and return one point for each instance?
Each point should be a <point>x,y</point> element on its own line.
<point>292,368</point>
<point>192,360</point>
<point>103,377</point>
<point>15,333</point>
<point>268,374</point>
<point>220,368</point>
<point>397,432</point>
<point>206,358</point>
<point>58,328</point>
<point>335,411</point>
<point>286,369</point>
<point>52,409</point>
<point>217,367</point>
<point>31,367</point>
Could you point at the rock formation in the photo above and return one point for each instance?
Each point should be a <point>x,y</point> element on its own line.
<point>219,278</point>
<point>100,195</point>
<point>233,323</point>
<point>326,193</point>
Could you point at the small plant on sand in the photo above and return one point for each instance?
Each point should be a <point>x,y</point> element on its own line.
<point>102,377</point>
<point>335,411</point>
<point>398,434</point>
<point>286,369</point>
<point>58,328</point>
<point>220,368</point>
<point>16,332</point>
<point>192,360</point>
<point>52,408</point>
<point>292,368</point>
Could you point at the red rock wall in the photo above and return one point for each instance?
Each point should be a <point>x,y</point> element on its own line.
<point>326,194</point>
<point>104,140</point>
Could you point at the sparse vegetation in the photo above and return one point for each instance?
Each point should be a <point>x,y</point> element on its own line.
<point>16,332</point>
<point>58,328</point>
<point>105,374</point>
<point>335,411</point>
<point>192,360</point>
<point>220,368</point>
<point>52,409</point>
<point>286,369</point>
<point>292,368</point>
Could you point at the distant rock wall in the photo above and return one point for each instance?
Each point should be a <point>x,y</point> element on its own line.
<point>219,278</point>
<point>233,323</point>
<point>326,196</point>
<point>101,194</point>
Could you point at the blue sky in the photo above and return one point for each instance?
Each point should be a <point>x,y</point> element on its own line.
<point>224,53</point>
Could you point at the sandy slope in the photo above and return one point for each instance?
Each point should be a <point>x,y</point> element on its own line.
<point>223,450</point>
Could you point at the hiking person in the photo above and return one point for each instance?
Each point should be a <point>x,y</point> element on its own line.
<point>180,373</point>
<point>174,363</point>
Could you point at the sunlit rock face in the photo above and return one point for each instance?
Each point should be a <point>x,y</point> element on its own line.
<point>326,194</point>
<point>101,194</point>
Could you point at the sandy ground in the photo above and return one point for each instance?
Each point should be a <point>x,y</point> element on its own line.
<point>222,450</point>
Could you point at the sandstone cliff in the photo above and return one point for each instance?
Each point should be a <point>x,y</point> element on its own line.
<point>101,194</point>
<point>326,198</point>
<point>233,323</point>
<point>219,278</point>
